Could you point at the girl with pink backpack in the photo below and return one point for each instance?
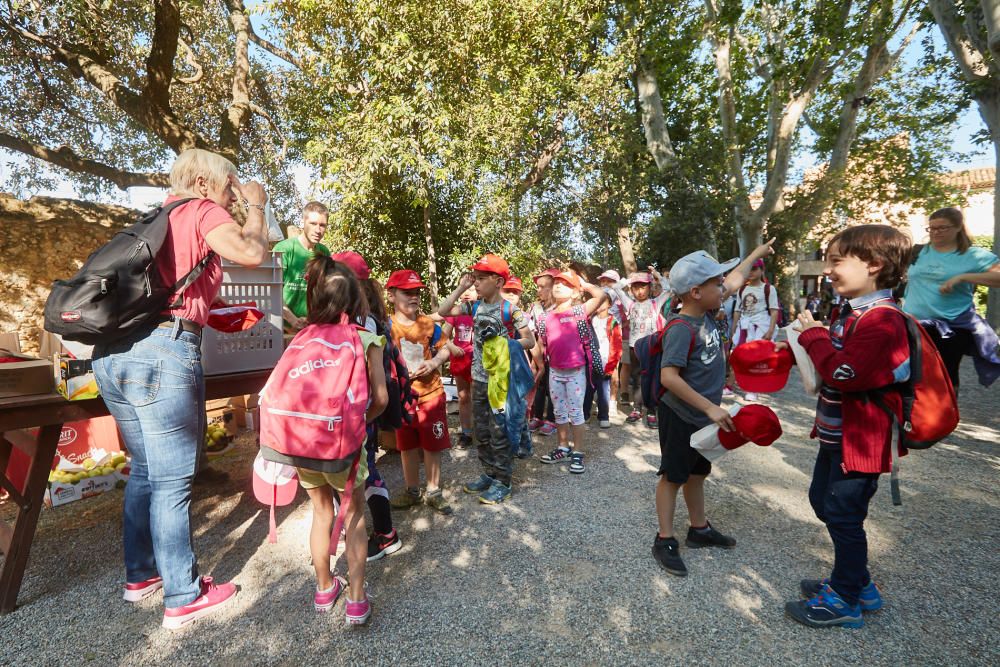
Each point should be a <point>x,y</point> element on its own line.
<point>327,386</point>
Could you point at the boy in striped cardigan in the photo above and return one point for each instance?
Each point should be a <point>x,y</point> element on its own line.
<point>854,357</point>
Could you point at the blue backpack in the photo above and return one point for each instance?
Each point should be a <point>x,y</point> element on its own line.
<point>649,349</point>
<point>506,314</point>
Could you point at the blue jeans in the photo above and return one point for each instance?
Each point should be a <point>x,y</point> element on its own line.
<point>153,385</point>
<point>840,500</point>
<point>603,393</point>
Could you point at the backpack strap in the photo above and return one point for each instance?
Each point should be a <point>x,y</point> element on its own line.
<point>679,320</point>
<point>915,252</point>
<point>879,400</point>
<point>436,336</point>
<point>181,285</point>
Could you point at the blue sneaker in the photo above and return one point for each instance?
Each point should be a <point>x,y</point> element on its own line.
<point>825,610</point>
<point>482,484</point>
<point>870,598</point>
<point>496,494</point>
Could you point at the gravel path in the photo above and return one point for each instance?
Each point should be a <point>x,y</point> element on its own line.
<point>560,574</point>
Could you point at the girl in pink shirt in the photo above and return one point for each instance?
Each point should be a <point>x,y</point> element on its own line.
<point>563,347</point>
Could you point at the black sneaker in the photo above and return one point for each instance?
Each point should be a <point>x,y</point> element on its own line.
<point>708,537</point>
<point>464,441</point>
<point>666,551</point>
<point>383,545</point>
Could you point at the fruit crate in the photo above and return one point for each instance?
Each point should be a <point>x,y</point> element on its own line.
<point>261,346</point>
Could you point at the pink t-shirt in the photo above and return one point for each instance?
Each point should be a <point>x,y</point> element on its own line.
<point>463,331</point>
<point>184,247</point>
<point>562,340</point>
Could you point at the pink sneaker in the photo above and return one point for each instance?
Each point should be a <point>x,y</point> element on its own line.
<point>548,428</point>
<point>211,599</point>
<point>534,424</point>
<point>142,589</point>
<point>323,601</point>
<point>358,613</point>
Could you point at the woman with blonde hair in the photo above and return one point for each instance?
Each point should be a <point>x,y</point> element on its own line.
<point>153,384</point>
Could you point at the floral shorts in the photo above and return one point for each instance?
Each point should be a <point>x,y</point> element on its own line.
<point>567,388</point>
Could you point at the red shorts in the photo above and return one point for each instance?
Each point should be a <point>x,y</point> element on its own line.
<point>429,430</point>
<point>461,367</point>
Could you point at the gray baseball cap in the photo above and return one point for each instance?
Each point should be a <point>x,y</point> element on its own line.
<point>694,269</point>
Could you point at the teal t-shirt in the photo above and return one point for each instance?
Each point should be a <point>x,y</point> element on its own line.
<point>922,298</point>
<point>294,258</point>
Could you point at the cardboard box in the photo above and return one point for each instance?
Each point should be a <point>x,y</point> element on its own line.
<point>69,482</point>
<point>27,377</point>
<point>71,364</point>
<point>224,416</point>
<point>10,342</point>
<point>75,379</point>
<point>242,405</point>
<point>61,493</point>
<point>89,439</point>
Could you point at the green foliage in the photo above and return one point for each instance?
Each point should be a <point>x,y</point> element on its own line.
<point>45,102</point>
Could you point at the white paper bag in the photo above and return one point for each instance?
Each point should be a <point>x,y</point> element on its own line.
<point>810,377</point>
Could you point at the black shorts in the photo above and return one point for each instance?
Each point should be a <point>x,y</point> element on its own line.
<point>678,459</point>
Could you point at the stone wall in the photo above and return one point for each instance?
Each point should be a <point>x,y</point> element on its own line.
<point>41,240</point>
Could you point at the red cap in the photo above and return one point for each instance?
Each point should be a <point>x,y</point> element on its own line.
<point>754,423</point>
<point>491,263</point>
<point>760,367</point>
<point>354,262</point>
<point>551,273</point>
<point>570,279</point>
<point>404,279</point>
<point>513,284</point>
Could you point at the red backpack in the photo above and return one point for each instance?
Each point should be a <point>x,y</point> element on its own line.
<point>313,405</point>
<point>930,406</point>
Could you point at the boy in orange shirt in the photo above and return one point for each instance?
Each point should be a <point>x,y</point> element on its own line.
<point>424,349</point>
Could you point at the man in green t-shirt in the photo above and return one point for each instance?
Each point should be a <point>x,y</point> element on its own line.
<point>295,254</point>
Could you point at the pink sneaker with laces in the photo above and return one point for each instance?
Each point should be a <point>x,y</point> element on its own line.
<point>211,599</point>
<point>548,428</point>
<point>323,601</point>
<point>142,589</point>
<point>358,613</point>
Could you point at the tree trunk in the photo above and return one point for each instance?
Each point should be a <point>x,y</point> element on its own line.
<point>625,246</point>
<point>748,232</point>
<point>432,272</point>
<point>651,112</point>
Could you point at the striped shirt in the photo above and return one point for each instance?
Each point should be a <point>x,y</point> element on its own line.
<point>829,419</point>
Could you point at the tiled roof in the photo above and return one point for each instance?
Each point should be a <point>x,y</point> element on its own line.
<point>974,179</point>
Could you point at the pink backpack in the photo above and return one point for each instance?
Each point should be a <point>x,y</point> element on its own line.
<point>314,402</point>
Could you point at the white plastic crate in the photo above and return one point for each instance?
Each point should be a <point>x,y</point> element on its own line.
<point>257,348</point>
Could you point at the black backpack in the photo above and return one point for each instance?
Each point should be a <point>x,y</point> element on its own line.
<point>402,405</point>
<point>118,289</point>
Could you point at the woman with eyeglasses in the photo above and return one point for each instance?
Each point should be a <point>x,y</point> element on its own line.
<point>941,284</point>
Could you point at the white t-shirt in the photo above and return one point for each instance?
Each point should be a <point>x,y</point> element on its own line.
<point>601,332</point>
<point>750,302</point>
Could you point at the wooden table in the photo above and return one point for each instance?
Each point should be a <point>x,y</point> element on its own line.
<point>49,412</point>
